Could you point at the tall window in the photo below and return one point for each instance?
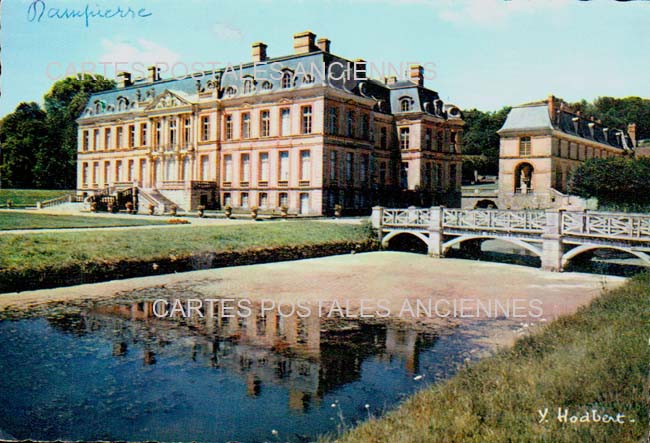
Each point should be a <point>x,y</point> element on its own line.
<point>349,166</point>
<point>95,173</point>
<point>382,173</point>
<point>333,165</point>
<point>264,167</point>
<point>144,134</point>
<point>248,86</point>
<point>284,166</point>
<point>383,137</point>
<point>363,168</point>
<point>439,140</point>
<point>96,140</point>
<point>187,131</point>
<point>287,78</point>
<point>263,200</point>
<point>427,139</point>
<point>305,165</point>
<point>404,138</point>
<point>86,141</point>
<point>244,199</point>
<point>284,199</point>
<point>452,141</point>
<point>205,167</point>
<point>120,137</point>
<point>107,139</point>
<point>131,171</point>
<point>107,172</point>
<point>205,128</point>
<point>428,175</point>
<point>246,125</point>
<point>228,130</point>
<point>306,119</point>
<point>158,133</point>
<point>172,132</point>
<point>227,165</point>
<point>452,176</point>
<point>265,123</point>
<point>286,121</point>
<point>333,121</point>
<point>404,175</point>
<point>405,105</point>
<point>524,146</point>
<point>350,124</point>
<point>364,126</point>
<point>131,136</point>
<point>245,168</point>
<point>84,174</point>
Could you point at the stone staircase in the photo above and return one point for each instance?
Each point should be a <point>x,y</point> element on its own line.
<point>155,197</point>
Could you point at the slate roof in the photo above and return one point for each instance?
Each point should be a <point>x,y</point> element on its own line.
<point>268,79</point>
<point>536,116</point>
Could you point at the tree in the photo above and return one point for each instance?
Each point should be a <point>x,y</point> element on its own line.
<point>619,112</point>
<point>23,134</point>
<point>480,137</point>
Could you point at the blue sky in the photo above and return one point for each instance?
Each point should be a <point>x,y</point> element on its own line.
<point>487,53</point>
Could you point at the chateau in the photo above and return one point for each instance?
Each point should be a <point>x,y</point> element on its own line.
<point>306,132</point>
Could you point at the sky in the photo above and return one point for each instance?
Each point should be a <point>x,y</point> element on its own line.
<point>482,54</point>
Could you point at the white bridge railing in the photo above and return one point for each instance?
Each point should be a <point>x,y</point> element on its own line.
<point>406,217</point>
<point>495,220</point>
<point>634,227</point>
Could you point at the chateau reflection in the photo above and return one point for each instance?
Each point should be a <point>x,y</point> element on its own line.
<point>308,356</point>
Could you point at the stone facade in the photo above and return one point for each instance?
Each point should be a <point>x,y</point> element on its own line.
<point>308,131</point>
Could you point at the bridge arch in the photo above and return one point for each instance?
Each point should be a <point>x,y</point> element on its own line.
<point>522,244</point>
<point>591,247</point>
<point>393,234</point>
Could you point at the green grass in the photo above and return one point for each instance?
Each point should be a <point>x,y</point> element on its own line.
<point>35,251</point>
<point>29,220</point>
<point>28,197</point>
<point>598,358</point>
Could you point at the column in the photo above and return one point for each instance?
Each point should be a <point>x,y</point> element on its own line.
<point>552,248</point>
<point>436,238</point>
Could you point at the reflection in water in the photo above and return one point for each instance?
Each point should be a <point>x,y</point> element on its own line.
<point>115,371</point>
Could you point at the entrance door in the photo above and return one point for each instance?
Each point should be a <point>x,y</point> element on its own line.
<point>304,203</point>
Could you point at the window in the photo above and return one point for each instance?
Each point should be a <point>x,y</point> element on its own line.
<point>383,138</point>
<point>228,130</point>
<point>439,175</point>
<point>287,78</point>
<point>308,79</point>
<point>404,138</point>
<point>284,199</point>
<point>350,124</point>
<point>267,85</point>
<point>286,121</point>
<point>382,173</point>
<point>364,127</point>
<point>305,165</point>
<point>333,165</point>
<point>131,171</point>
<point>227,173</point>
<point>107,172</point>
<point>524,146</point>
<point>452,176</point>
<point>404,175</point>
<point>428,175</point>
<point>452,141</point>
<point>118,170</point>
<point>248,86</point>
<point>186,168</point>
<point>306,119</point>
<point>265,123</point>
<point>205,128</point>
<point>439,140</point>
<point>333,121</point>
<point>158,133</point>
<point>143,134</point>
<point>363,168</point>
<point>187,131</point>
<point>263,200</point>
<point>131,136</point>
<point>349,166</point>
<point>405,104</point>
<point>96,140</point>
<point>107,139</point>
<point>245,168</point>
<point>264,167</point>
<point>246,125</point>
<point>244,199</point>
<point>205,167</point>
<point>284,166</point>
<point>120,137</point>
<point>227,200</point>
<point>427,139</point>
<point>86,141</point>
<point>84,174</point>
<point>172,132</point>
<point>231,91</point>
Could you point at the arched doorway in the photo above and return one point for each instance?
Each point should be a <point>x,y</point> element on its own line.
<point>524,178</point>
<point>485,204</point>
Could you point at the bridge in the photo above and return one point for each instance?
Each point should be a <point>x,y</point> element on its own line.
<point>555,236</point>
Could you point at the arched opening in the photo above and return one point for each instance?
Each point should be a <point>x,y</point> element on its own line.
<point>406,242</point>
<point>486,204</point>
<point>491,249</point>
<point>597,259</point>
<point>524,178</point>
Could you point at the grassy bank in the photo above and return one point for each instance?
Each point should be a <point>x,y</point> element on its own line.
<point>59,259</point>
<point>28,197</point>
<point>598,358</point>
<point>30,220</point>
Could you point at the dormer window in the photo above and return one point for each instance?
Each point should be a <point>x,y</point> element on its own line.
<point>308,79</point>
<point>287,79</point>
<point>230,91</point>
<point>406,104</point>
<point>267,85</point>
<point>249,88</point>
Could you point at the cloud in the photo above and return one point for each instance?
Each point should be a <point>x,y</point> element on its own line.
<point>143,51</point>
<point>225,31</point>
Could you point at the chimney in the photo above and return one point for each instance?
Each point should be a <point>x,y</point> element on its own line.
<point>323,44</point>
<point>154,74</point>
<point>303,42</point>
<point>416,74</point>
<point>124,79</point>
<point>552,106</point>
<point>360,69</point>
<point>259,52</point>
<point>390,80</point>
<point>631,130</point>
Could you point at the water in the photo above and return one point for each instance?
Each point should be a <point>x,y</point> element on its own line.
<point>110,371</point>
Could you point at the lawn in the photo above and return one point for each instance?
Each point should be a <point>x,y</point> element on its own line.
<point>30,220</point>
<point>28,197</point>
<point>597,359</point>
<point>35,251</point>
